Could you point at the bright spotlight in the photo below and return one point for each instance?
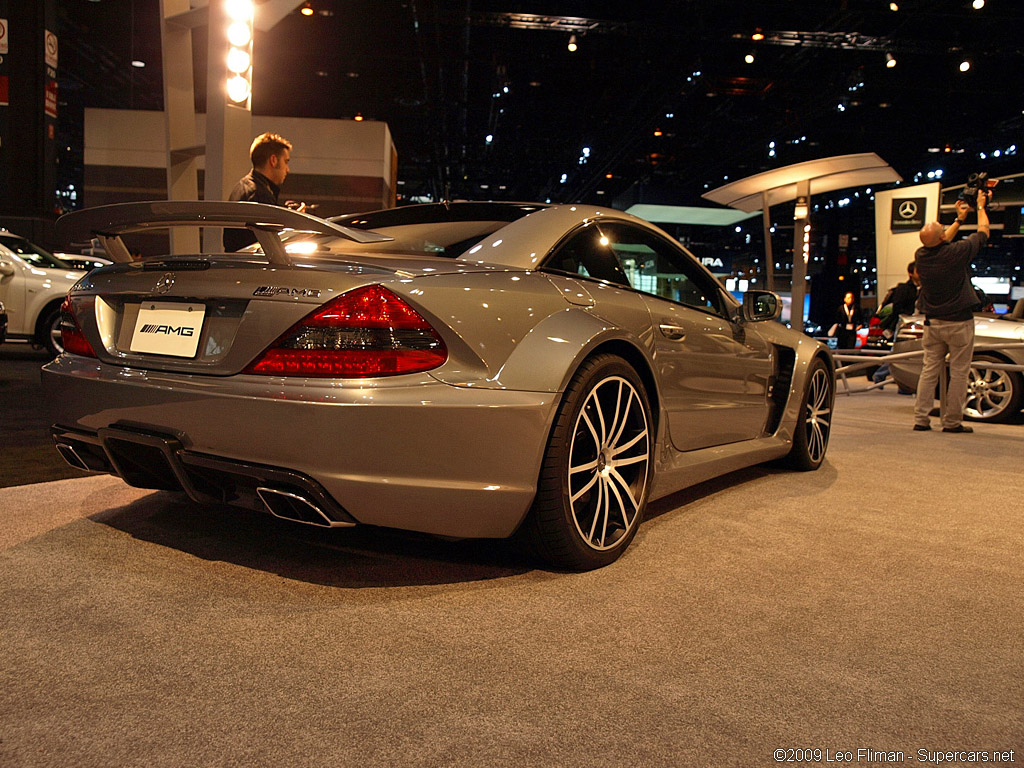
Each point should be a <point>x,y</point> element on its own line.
<point>239,10</point>
<point>749,58</point>
<point>890,60</point>
<point>238,89</point>
<point>239,34</point>
<point>572,44</point>
<point>965,65</point>
<point>238,61</point>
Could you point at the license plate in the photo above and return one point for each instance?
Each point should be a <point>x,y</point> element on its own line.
<point>165,328</point>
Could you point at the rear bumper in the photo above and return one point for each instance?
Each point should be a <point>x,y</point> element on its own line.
<point>408,453</point>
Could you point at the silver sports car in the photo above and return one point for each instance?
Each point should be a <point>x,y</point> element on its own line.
<point>463,369</point>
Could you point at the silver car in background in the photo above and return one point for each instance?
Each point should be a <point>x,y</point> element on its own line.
<point>462,369</point>
<point>992,394</point>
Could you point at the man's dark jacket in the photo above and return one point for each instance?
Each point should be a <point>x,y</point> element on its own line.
<point>945,272</point>
<point>254,187</point>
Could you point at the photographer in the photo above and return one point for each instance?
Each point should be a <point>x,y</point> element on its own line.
<point>947,300</point>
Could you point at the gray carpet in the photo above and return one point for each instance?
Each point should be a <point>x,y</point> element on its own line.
<point>877,603</point>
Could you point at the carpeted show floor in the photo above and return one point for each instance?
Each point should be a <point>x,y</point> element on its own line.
<point>875,604</point>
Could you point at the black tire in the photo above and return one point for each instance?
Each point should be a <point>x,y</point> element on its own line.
<point>48,331</point>
<point>595,478</point>
<point>992,395</point>
<point>814,423</point>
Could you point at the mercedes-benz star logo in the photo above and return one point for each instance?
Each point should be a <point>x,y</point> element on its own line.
<point>163,285</point>
<point>907,209</point>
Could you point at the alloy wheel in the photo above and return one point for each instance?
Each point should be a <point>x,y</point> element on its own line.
<point>608,463</point>
<point>818,418</point>
<point>989,393</point>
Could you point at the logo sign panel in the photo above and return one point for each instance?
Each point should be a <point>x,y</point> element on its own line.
<point>166,328</point>
<point>3,36</point>
<point>907,214</point>
<point>50,48</point>
<point>50,103</point>
<point>717,263</point>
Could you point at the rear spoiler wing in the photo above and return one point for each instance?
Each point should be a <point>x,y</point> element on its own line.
<point>109,222</point>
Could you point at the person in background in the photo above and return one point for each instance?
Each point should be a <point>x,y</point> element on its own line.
<point>903,296</point>
<point>270,155</point>
<point>900,300</point>
<point>847,321</point>
<point>948,301</point>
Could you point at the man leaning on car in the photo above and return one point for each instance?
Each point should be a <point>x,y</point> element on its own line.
<point>947,300</point>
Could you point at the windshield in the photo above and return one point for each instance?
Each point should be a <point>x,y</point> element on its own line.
<point>32,254</point>
<point>441,230</point>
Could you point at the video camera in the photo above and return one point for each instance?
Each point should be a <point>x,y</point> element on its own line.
<point>977,182</point>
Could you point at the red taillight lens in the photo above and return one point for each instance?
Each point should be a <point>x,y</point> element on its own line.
<point>364,333</point>
<point>71,335</point>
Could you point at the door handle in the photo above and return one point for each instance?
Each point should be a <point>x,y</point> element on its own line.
<point>672,332</point>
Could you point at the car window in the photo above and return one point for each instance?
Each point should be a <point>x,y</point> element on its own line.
<point>586,253</point>
<point>654,266</point>
<point>32,254</point>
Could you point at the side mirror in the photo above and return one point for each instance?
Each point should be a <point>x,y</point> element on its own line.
<point>761,305</point>
<point>6,268</point>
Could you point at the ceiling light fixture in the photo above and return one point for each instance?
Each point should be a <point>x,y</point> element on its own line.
<point>306,10</point>
<point>749,58</point>
<point>359,117</point>
<point>965,65</point>
<point>138,63</point>
<point>894,7</point>
<point>978,4</point>
<point>572,44</point>
<point>890,60</point>
<point>757,36</point>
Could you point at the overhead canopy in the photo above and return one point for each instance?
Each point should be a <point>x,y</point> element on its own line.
<point>825,175</point>
<point>687,214</point>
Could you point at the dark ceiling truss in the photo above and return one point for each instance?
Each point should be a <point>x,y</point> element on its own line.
<point>847,41</point>
<point>566,24</point>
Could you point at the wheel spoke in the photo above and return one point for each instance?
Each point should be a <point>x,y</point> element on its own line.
<point>621,448</point>
<point>584,489</point>
<point>631,460</point>
<point>600,417</point>
<point>621,423</point>
<point>590,426</point>
<point>624,486</point>
<point>606,511</point>
<point>597,509</point>
<point>583,467</point>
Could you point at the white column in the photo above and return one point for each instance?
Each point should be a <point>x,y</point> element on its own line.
<point>803,190</point>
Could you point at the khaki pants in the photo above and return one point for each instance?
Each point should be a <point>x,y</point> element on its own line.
<point>955,337</point>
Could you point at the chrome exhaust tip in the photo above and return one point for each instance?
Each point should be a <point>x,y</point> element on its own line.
<point>71,456</point>
<point>296,508</point>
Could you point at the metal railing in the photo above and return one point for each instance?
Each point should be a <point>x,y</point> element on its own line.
<point>868,358</point>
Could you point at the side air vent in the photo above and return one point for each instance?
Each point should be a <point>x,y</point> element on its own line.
<point>781,386</point>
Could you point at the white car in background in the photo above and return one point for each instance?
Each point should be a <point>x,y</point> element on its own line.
<point>993,394</point>
<point>79,261</point>
<point>33,284</point>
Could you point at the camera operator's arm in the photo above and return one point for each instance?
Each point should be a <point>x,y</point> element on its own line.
<point>983,225</point>
<point>962,209</point>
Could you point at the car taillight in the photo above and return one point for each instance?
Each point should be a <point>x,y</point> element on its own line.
<point>71,335</point>
<point>364,333</point>
<point>911,331</point>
